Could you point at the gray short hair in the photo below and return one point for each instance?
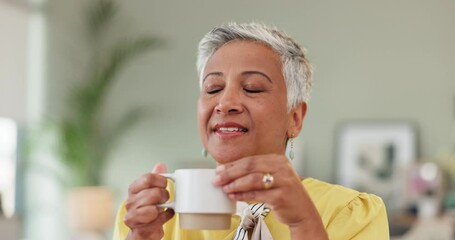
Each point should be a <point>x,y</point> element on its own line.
<point>297,70</point>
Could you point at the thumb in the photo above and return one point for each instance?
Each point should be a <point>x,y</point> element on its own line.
<point>159,168</point>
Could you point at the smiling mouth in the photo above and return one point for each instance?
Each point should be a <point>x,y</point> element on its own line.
<point>231,129</point>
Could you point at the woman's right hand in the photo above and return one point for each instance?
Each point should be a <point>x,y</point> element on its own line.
<point>143,216</point>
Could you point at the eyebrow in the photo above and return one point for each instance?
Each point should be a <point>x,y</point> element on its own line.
<point>212,73</point>
<point>259,73</point>
<point>243,73</point>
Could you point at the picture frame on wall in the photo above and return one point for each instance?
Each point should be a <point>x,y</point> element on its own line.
<point>372,157</point>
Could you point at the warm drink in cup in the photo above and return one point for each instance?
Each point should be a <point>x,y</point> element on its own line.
<point>199,203</point>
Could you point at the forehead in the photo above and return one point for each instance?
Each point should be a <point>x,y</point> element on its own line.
<point>246,55</point>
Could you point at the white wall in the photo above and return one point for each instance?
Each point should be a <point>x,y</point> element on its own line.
<point>374,60</point>
<point>13,100</point>
<point>13,46</point>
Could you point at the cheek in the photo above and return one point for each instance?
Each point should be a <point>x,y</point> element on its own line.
<point>271,117</point>
<point>203,116</point>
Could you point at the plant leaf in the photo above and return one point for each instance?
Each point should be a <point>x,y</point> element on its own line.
<point>89,98</point>
<point>129,119</point>
<point>99,15</point>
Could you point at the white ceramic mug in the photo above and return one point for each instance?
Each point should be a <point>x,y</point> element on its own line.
<point>199,203</point>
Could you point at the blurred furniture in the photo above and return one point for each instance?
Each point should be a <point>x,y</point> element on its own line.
<point>9,228</point>
<point>399,224</point>
<point>424,216</point>
<point>90,212</point>
<point>440,228</point>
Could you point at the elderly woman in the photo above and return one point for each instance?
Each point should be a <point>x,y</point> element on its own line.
<point>255,83</point>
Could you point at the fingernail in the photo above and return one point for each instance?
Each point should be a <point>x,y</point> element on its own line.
<point>232,196</point>
<point>226,188</point>
<point>220,168</point>
<point>159,168</point>
<point>217,179</point>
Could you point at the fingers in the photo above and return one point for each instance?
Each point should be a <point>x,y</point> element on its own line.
<point>143,216</point>
<point>140,216</point>
<point>159,168</point>
<point>149,230</point>
<point>239,168</point>
<point>275,198</point>
<point>248,182</point>
<point>257,195</point>
<point>260,164</point>
<point>148,215</point>
<point>164,217</point>
<point>243,180</point>
<point>148,180</point>
<point>146,197</point>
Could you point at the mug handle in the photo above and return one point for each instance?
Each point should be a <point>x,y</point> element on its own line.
<point>168,204</point>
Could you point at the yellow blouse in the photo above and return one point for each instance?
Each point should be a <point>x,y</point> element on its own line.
<point>346,214</point>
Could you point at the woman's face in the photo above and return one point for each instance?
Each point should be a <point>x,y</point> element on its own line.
<point>242,107</point>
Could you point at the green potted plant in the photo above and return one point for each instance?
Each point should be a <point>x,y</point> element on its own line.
<point>83,141</point>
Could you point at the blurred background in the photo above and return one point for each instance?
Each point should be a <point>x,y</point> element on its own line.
<point>94,93</point>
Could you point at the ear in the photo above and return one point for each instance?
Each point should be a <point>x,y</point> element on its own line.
<point>297,115</point>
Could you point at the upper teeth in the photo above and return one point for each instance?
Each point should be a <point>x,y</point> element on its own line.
<point>231,129</point>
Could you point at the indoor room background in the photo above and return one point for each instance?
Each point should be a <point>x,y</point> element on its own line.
<point>377,64</point>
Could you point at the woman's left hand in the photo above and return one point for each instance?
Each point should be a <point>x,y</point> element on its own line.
<point>242,180</point>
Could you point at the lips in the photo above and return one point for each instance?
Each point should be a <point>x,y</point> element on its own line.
<point>229,130</point>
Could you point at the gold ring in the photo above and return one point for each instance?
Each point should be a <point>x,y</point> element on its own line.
<point>267,180</point>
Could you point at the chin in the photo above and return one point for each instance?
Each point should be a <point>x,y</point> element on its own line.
<point>223,157</point>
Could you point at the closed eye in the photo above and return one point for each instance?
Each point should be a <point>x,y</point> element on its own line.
<point>252,90</point>
<point>213,91</point>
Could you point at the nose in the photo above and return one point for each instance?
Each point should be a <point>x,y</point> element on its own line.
<point>229,102</point>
